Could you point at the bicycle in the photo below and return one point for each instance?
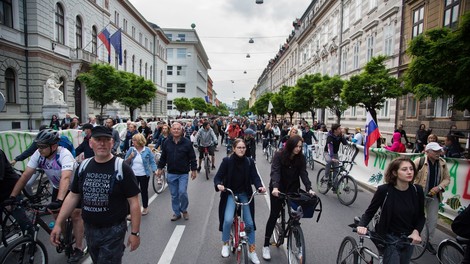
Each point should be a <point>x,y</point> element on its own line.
<point>344,187</point>
<point>238,238</point>
<point>207,162</point>
<point>269,151</point>
<point>310,160</point>
<point>452,251</point>
<point>351,251</point>
<point>159,183</point>
<point>301,205</point>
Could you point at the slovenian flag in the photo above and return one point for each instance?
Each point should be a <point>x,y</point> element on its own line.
<point>104,37</point>
<point>372,135</point>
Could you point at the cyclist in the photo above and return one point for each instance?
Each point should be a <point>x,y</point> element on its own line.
<point>58,164</point>
<point>259,130</point>
<point>333,140</point>
<point>268,136</point>
<point>237,172</point>
<point>277,134</point>
<point>250,142</point>
<point>205,138</point>
<point>233,131</point>
<point>307,136</point>
<point>287,169</point>
<point>402,213</point>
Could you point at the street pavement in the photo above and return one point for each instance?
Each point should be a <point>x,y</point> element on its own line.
<point>198,240</point>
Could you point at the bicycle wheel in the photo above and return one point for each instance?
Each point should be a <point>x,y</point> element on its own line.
<point>23,250</point>
<point>158,187</point>
<point>270,153</point>
<point>242,256</point>
<point>276,238</point>
<point>347,190</point>
<point>347,251</point>
<point>322,182</point>
<point>418,251</point>
<point>450,252</point>
<point>296,245</point>
<point>207,166</point>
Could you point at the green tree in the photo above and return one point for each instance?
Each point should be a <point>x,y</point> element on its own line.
<point>260,107</point>
<point>199,105</point>
<point>372,87</point>
<point>103,84</point>
<point>222,109</point>
<point>279,105</point>
<point>440,64</point>
<point>328,95</point>
<point>242,106</point>
<point>182,104</point>
<point>293,102</point>
<point>139,93</point>
<point>306,95</point>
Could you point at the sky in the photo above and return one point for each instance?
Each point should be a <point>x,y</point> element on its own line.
<point>224,28</point>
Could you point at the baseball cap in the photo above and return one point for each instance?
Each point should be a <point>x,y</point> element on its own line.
<point>433,146</point>
<point>101,131</point>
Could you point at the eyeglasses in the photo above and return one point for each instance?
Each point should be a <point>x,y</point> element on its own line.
<point>42,146</point>
<point>240,147</point>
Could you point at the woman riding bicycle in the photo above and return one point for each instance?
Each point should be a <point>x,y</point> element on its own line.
<point>287,169</point>
<point>402,213</point>
<point>237,172</point>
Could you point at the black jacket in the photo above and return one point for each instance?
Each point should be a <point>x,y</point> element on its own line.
<point>287,178</point>
<point>179,158</point>
<point>224,176</point>
<point>85,148</point>
<point>461,224</point>
<point>28,152</point>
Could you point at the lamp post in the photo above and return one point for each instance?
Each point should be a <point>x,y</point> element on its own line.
<point>259,1</point>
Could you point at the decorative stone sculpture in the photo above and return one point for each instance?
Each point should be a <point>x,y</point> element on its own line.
<point>52,94</point>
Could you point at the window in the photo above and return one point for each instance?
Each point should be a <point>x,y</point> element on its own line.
<point>78,32</point>
<point>140,38</point>
<point>169,53</point>
<point>124,25</point>
<point>344,61</point>
<point>125,60</point>
<point>169,105</point>
<point>353,111</point>
<point>388,39</point>
<point>146,43</point>
<point>451,13</point>
<point>181,37</point>
<point>133,63</point>
<point>106,4</point>
<point>418,22</point>
<point>372,4</point>
<point>145,70</point>
<point>181,88</point>
<point>346,18</point>
<point>10,86</point>
<point>6,13</point>
<point>370,48</point>
<point>180,53</point>
<point>441,107</point>
<point>334,27</point>
<point>133,32</point>
<point>169,87</point>
<point>169,70</point>
<point>140,67</point>
<point>384,111</point>
<point>169,36</point>
<point>116,65</point>
<point>411,106</point>
<point>94,41</point>
<point>333,65</point>
<point>59,24</point>
<point>325,33</point>
<point>181,70</point>
<point>358,9</point>
<point>151,73</point>
<point>356,55</point>
<point>116,18</point>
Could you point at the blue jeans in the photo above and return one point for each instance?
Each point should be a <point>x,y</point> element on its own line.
<point>178,184</point>
<point>106,244</point>
<point>399,253</point>
<point>228,219</point>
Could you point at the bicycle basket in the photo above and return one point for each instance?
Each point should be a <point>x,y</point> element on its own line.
<point>308,203</point>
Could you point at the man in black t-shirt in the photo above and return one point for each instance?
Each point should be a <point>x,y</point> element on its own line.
<point>105,197</point>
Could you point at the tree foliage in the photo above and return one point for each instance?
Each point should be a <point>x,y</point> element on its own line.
<point>222,109</point>
<point>182,104</point>
<point>372,87</point>
<point>440,64</point>
<point>139,93</point>
<point>293,100</point>
<point>328,95</point>
<point>242,106</point>
<point>286,94</point>
<point>260,107</point>
<point>305,95</point>
<point>199,105</point>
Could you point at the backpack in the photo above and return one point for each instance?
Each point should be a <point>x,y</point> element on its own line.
<point>66,143</point>
<point>118,172</point>
<point>421,163</point>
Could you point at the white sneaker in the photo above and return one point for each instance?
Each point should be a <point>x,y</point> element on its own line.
<point>266,253</point>
<point>225,251</point>
<point>253,257</point>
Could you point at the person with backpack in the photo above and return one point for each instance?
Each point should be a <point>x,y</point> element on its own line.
<point>402,211</point>
<point>58,165</point>
<point>104,208</point>
<point>433,176</point>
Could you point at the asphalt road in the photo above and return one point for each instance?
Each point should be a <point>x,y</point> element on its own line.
<point>198,240</point>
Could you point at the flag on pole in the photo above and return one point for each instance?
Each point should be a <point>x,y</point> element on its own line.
<point>270,107</point>
<point>104,37</point>
<point>206,98</point>
<point>115,40</point>
<point>372,135</point>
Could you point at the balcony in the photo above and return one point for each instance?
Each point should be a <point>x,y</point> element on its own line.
<point>79,55</point>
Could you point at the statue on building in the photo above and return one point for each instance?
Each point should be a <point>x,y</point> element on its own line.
<point>52,94</point>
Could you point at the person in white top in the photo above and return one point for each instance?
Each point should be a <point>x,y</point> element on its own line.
<point>358,138</point>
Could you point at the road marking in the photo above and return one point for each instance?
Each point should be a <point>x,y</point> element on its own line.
<point>172,244</point>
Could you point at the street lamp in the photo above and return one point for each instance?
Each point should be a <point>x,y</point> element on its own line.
<point>259,1</point>
<point>248,55</point>
<point>251,41</point>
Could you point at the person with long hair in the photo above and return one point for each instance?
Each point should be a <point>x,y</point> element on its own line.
<point>55,124</point>
<point>238,173</point>
<point>288,168</point>
<point>402,214</point>
<point>163,136</point>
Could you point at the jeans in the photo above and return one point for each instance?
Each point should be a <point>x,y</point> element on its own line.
<point>306,151</point>
<point>228,218</point>
<point>399,253</point>
<point>106,244</point>
<point>178,184</point>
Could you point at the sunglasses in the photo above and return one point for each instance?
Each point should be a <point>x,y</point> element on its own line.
<point>43,146</point>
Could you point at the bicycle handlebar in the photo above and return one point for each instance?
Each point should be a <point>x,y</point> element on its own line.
<point>235,198</point>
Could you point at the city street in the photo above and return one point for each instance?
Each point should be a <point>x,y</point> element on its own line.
<point>198,240</point>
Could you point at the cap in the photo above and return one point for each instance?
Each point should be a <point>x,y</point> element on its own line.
<point>101,131</point>
<point>87,126</point>
<point>234,120</point>
<point>433,146</point>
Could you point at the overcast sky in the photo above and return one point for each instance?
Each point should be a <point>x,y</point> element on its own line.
<point>225,27</point>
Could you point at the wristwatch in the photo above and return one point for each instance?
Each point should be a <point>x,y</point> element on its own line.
<point>440,188</point>
<point>137,234</point>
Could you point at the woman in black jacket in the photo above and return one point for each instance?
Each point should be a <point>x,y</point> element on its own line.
<point>402,213</point>
<point>287,169</point>
<point>238,173</point>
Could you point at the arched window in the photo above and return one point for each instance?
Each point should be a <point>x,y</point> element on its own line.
<point>10,86</point>
<point>133,63</point>
<point>94,41</point>
<point>59,24</point>
<point>78,33</point>
<point>125,60</point>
